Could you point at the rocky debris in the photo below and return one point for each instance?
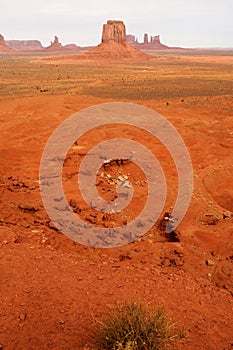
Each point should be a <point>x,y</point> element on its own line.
<point>73,203</point>
<point>114,180</point>
<point>173,258</point>
<point>59,325</point>
<point>28,207</point>
<point>210,220</point>
<point>74,206</point>
<point>3,46</point>
<point>123,257</point>
<point>52,226</point>
<point>7,236</point>
<point>117,161</point>
<point>230,347</point>
<point>15,184</point>
<point>230,258</point>
<point>172,236</point>
<point>165,222</point>
<point>227,215</point>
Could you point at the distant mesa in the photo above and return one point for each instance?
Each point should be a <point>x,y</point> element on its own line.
<point>35,45</point>
<point>152,44</point>
<point>72,47</point>
<point>24,45</point>
<point>56,46</point>
<point>114,45</point>
<point>3,46</point>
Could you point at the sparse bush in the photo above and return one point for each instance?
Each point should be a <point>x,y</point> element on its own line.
<point>133,327</point>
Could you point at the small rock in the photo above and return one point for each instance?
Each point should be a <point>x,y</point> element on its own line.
<point>120,178</point>
<point>59,325</point>
<point>28,208</point>
<point>126,184</point>
<point>53,226</point>
<point>210,262</point>
<point>73,203</point>
<point>123,257</point>
<point>227,215</point>
<point>230,258</point>
<point>22,317</point>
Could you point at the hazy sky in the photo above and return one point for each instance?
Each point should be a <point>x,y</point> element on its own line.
<point>187,23</point>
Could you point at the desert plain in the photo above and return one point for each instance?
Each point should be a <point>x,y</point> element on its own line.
<point>53,290</point>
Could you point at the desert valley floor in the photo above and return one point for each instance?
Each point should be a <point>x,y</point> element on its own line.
<point>54,291</point>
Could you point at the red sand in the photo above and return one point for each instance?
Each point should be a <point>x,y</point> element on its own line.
<point>53,290</point>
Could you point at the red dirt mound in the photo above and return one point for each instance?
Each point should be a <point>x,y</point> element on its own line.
<point>113,50</point>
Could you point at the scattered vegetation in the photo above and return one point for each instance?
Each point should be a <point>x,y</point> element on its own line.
<point>134,327</point>
<point>157,80</point>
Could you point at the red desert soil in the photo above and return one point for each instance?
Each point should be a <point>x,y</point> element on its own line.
<point>53,290</point>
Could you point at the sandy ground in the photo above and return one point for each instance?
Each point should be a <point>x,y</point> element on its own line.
<point>53,291</point>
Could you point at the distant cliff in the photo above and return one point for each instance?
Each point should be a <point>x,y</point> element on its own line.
<point>152,44</point>
<point>35,45</point>
<point>3,46</point>
<point>24,45</point>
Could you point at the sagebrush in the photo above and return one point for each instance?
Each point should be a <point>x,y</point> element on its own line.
<point>134,327</point>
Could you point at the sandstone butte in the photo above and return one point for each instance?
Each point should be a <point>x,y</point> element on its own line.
<point>3,46</point>
<point>55,46</point>
<point>114,45</point>
<point>153,44</point>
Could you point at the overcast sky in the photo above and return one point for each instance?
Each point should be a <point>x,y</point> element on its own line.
<point>187,23</point>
